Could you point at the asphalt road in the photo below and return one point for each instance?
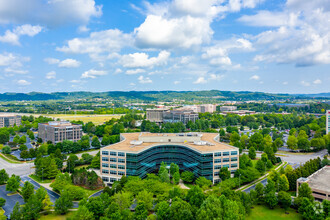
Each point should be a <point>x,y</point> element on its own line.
<point>16,168</point>
<point>10,200</point>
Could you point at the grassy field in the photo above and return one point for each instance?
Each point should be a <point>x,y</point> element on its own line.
<point>54,216</point>
<point>293,153</point>
<point>264,213</point>
<point>96,119</point>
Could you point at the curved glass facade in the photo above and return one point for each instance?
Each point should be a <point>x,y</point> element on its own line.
<point>148,161</point>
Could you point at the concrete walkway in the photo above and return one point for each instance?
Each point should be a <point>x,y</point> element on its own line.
<point>182,186</point>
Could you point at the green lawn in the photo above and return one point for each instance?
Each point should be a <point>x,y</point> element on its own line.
<point>54,216</point>
<point>39,180</point>
<point>264,213</point>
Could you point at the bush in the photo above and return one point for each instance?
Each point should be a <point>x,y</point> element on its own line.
<point>75,193</point>
<point>6,150</point>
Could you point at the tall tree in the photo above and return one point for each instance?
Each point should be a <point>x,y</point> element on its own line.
<point>3,176</point>
<point>27,191</point>
<point>13,183</point>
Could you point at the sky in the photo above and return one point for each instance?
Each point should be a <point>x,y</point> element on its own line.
<point>278,46</point>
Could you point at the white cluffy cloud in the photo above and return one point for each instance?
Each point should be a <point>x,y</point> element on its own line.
<point>51,75</point>
<point>141,60</point>
<point>200,80</point>
<point>67,63</point>
<point>23,82</point>
<point>255,77</point>
<point>13,36</point>
<point>317,81</point>
<point>144,80</point>
<point>50,13</point>
<point>183,23</point>
<point>135,71</point>
<point>299,34</point>
<point>106,43</point>
<point>92,74</point>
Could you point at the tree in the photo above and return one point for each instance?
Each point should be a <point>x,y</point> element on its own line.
<point>180,210</point>
<point>2,202</point>
<point>71,162</point>
<point>25,154</point>
<point>22,147</point>
<point>271,199</point>
<point>305,191</point>
<point>3,176</point>
<point>27,191</point>
<point>17,213</point>
<point>195,196</point>
<point>260,166</point>
<point>283,183</point>
<point>203,182</point>
<point>22,140</point>
<point>52,170</point>
<point>174,168</point>
<point>16,139</point>
<point>13,183</point>
<point>4,136</point>
<point>260,192</point>
<point>123,199</point>
<point>64,203</point>
<point>224,173</point>
<point>6,150</point>
<point>95,142</point>
<point>210,209</point>
<point>292,142</point>
<point>141,211</point>
<point>303,143</point>
<point>162,210</point>
<point>187,176</point>
<point>146,198</point>
<point>46,203</point>
<point>252,153</point>
<point>32,208</point>
<point>176,177</point>
<point>284,199</point>
<point>83,214</point>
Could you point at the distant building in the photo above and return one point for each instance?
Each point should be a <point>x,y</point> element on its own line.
<point>138,154</point>
<point>319,183</point>
<point>207,108</point>
<point>7,120</point>
<point>58,131</point>
<point>290,105</point>
<point>166,115</point>
<point>156,115</point>
<point>328,122</point>
<point>180,116</point>
<point>228,108</point>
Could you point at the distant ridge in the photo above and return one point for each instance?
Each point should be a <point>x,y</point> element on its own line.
<point>158,95</point>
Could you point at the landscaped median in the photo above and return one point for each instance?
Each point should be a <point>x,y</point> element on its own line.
<point>261,178</point>
<point>9,160</point>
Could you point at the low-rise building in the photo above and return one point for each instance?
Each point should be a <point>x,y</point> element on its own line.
<point>228,108</point>
<point>58,131</point>
<point>180,116</point>
<point>138,154</point>
<point>10,120</point>
<point>319,182</point>
<point>165,115</point>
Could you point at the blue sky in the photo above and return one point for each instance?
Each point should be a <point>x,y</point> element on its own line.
<point>239,45</point>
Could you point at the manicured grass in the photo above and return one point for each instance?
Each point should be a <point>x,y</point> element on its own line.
<point>2,212</point>
<point>39,180</point>
<point>96,119</point>
<point>293,153</point>
<point>54,216</point>
<point>264,213</point>
<point>89,192</point>
<point>8,159</point>
<point>81,166</point>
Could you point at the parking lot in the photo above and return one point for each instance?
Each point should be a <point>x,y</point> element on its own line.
<point>10,200</point>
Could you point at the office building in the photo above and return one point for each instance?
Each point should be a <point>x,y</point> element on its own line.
<point>156,115</point>
<point>138,154</point>
<point>328,122</point>
<point>228,108</point>
<point>166,115</point>
<point>319,183</point>
<point>180,116</point>
<point>58,131</point>
<point>8,120</point>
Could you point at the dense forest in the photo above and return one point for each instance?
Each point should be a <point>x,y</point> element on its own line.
<point>157,95</point>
